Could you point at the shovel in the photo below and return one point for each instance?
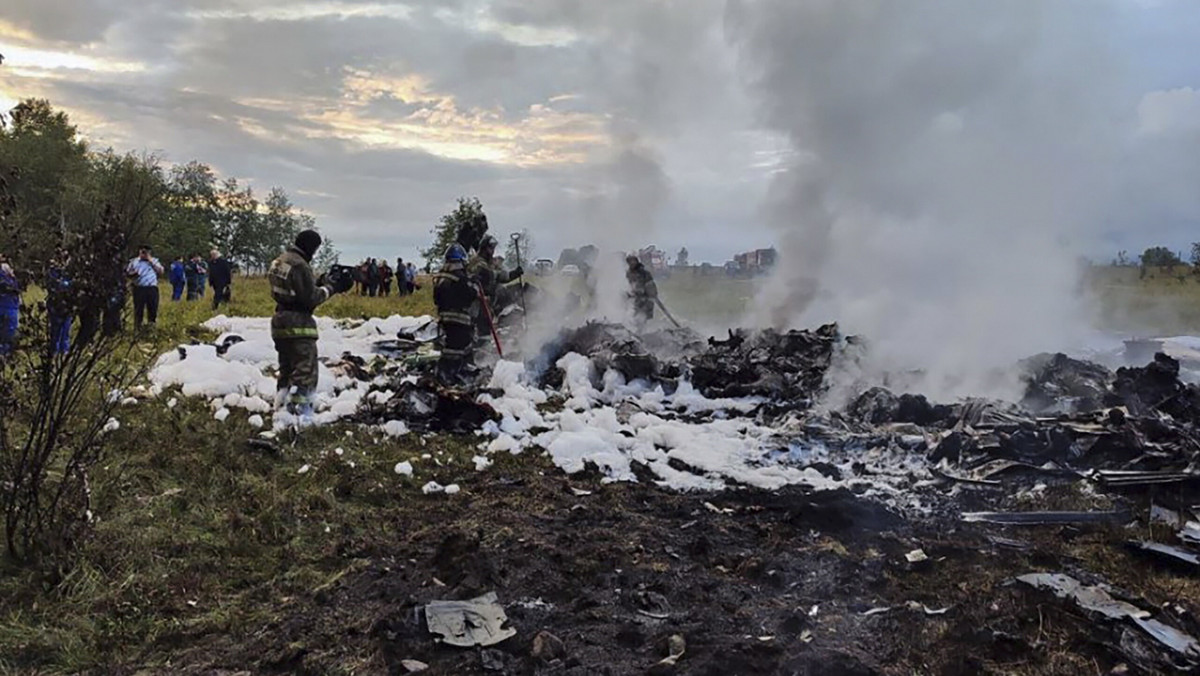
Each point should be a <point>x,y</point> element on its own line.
<point>516,240</point>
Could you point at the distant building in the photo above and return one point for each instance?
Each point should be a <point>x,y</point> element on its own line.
<point>752,263</point>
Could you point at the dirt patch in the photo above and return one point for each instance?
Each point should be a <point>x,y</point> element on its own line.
<point>787,582</point>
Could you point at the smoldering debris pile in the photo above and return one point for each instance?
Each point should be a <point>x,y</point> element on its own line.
<point>749,410</point>
<point>785,368</point>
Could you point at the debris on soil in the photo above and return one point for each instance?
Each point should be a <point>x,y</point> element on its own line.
<point>547,647</point>
<point>1046,518</point>
<point>676,647</point>
<point>423,405</point>
<point>782,502</point>
<point>1169,554</point>
<point>1184,650</point>
<point>464,624</point>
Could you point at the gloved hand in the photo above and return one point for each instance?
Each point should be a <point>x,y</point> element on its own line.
<point>518,272</point>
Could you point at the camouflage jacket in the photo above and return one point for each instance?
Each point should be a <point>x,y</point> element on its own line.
<point>296,294</point>
<point>641,284</point>
<point>454,294</point>
<point>490,276</point>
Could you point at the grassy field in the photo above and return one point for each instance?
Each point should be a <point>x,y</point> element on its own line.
<point>196,533</point>
<point>199,537</point>
<point>1163,303</point>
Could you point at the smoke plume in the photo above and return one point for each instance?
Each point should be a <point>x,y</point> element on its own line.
<point>947,159</point>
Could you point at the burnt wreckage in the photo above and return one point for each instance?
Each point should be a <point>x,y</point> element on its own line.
<point>1133,435</point>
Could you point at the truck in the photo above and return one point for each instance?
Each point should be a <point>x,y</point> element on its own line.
<point>753,263</point>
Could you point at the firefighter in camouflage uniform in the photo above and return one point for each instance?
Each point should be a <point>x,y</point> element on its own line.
<point>297,294</point>
<point>490,277</point>
<point>643,292</point>
<point>454,293</point>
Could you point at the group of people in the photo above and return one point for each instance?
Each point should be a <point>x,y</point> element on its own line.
<point>195,275</point>
<point>375,278</point>
<point>64,302</point>
<point>473,287</point>
<point>469,287</point>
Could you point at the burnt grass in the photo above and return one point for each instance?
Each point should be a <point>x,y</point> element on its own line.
<point>211,557</point>
<point>740,587</point>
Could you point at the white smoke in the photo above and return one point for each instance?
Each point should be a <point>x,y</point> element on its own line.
<point>949,157</point>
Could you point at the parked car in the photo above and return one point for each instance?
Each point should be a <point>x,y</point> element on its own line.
<point>543,267</point>
<point>570,270</point>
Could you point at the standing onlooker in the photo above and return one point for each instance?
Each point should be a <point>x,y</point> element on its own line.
<point>401,278</point>
<point>385,278</point>
<point>103,298</point>
<point>201,276</point>
<point>220,276</point>
<point>362,278</point>
<point>58,305</point>
<point>10,307</point>
<point>178,278</point>
<point>144,271</point>
<point>410,277</point>
<point>191,271</point>
<point>372,277</point>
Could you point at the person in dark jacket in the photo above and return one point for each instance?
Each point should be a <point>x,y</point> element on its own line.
<point>178,278</point>
<point>59,306</point>
<point>490,276</point>
<point>220,276</point>
<point>10,307</point>
<point>385,278</point>
<point>201,276</point>
<point>643,292</point>
<point>191,271</point>
<point>293,328</point>
<point>372,278</point>
<point>454,293</point>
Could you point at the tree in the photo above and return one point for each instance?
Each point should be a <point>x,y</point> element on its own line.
<point>52,162</point>
<point>1160,257</point>
<point>524,241</point>
<point>132,188</point>
<point>681,259</point>
<point>445,232</point>
<point>327,256</point>
<point>190,211</point>
<point>235,223</point>
<point>1122,260</point>
<point>277,228</point>
<point>56,406</point>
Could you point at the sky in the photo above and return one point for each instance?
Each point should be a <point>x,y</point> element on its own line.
<point>636,122</point>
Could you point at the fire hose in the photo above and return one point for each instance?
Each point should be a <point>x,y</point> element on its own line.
<point>667,312</point>
<point>487,312</point>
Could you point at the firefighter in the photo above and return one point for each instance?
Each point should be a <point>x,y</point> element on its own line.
<point>294,329</point>
<point>454,293</point>
<point>643,292</point>
<point>490,276</point>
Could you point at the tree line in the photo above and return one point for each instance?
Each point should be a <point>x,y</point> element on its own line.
<point>61,186</point>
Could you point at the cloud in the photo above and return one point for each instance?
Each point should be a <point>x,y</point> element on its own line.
<point>636,122</point>
<point>1169,112</point>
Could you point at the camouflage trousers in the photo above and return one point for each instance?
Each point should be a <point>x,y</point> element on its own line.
<point>297,367</point>
<point>456,350</point>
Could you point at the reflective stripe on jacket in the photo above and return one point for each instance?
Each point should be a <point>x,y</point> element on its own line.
<point>296,295</point>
